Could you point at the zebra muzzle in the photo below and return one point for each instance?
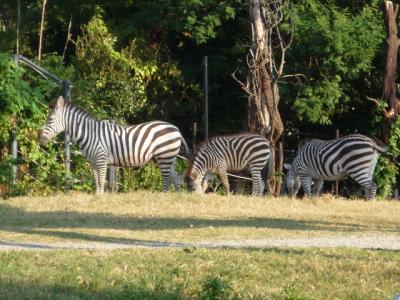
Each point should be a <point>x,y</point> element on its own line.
<point>43,139</point>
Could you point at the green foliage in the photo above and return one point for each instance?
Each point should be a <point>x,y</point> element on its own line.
<point>293,291</point>
<point>203,17</point>
<point>114,81</point>
<point>195,20</point>
<point>16,97</point>
<point>387,169</point>
<point>147,177</point>
<point>332,48</point>
<point>215,288</point>
<point>317,102</point>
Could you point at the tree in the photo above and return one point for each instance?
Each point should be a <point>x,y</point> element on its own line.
<point>390,87</point>
<point>265,60</point>
<point>336,49</point>
<point>389,108</point>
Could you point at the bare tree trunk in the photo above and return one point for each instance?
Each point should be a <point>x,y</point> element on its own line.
<point>18,23</point>
<point>41,30</point>
<point>265,60</point>
<point>68,37</point>
<point>389,92</point>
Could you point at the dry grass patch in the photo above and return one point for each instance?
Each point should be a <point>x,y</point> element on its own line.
<point>146,216</point>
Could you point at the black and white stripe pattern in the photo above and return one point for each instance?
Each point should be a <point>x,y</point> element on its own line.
<point>103,142</point>
<point>354,155</point>
<point>222,154</point>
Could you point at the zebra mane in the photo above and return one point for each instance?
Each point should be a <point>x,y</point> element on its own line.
<point>81,110</point>
<point>69,105</point>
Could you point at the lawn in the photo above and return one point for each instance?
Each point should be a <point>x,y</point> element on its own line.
<point>194,273</point>
<point>200,274</point>
<point>182,217</point>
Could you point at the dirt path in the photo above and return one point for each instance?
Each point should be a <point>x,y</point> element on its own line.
<point>384,242</point>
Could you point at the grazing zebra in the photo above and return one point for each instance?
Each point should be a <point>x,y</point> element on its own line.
<point>238,152</point>
<point>103,142</point>
<point>354,155</point>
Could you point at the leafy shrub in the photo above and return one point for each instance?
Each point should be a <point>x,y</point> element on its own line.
<point>387,169</point>
<point>215,288</point>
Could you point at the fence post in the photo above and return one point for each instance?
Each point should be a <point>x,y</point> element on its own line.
<point>337,181</point>
<point>111,174</point>
<point>194,139</point>
<point>14,142</point>
<point>14,150</point>
<point>111,178</point>
<point>205,70</point>
<point>66,86</point>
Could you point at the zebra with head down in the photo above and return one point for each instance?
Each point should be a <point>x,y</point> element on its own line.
<point>104,143</point>
<point>353,155</point>
<point>221,154</point>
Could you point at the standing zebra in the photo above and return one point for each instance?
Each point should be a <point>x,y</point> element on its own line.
<point>231,153</point>
<point>354,155</point>
<point>104,143</point>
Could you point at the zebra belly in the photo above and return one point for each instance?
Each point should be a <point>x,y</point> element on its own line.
<point>127,162</point>
<point>337,175</point>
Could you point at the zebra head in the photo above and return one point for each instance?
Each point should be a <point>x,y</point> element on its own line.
<point>193,183</point>
<point>194,176</point>
<point>292,181</point>
<point>55,121</point>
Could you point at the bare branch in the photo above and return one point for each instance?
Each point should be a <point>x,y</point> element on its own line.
<point>297,76</point>
<point>68,37</point>
<point>41,30</point>
<point>244,87</point>
<point>376,101</point>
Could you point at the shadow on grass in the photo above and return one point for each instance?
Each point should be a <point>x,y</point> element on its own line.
<point>87,238</point>
<point>27,290</point>
<point>11,217</point>
<point>22,221</point>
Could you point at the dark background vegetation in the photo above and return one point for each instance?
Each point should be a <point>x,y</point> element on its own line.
<point>133,61</point>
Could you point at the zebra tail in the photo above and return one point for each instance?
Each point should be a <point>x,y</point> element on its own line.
<point>271,163</point>
<point>380,149</point>
<point>185,147</point>
<point>379,145</point>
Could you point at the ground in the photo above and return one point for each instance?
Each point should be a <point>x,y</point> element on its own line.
<point>153,220</point>
<point>146,245</point>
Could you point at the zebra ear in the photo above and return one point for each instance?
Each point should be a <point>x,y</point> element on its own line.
<point>287,166</point>
<point>60,102</point>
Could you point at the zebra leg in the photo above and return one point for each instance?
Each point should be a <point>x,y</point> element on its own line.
<point>166,165</point>
<point>306,185</point>
<point>165,173</point>
<point>96,178</point>
<point>204,182</point>
<point>370,190</point>
<point>374,187</point>
<point>364,178</point>
<point>318,184</point>
<point>101,170</point>
<point>257,184</point>
<point>176,178</point>
<point>224,178</point>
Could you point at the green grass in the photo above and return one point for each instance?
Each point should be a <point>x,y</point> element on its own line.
<point>182,217</point>
<point>200,274</point>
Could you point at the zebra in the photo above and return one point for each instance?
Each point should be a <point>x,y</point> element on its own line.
<point>221,154</point>
<point>353,155</point>
<point>104,143</point>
